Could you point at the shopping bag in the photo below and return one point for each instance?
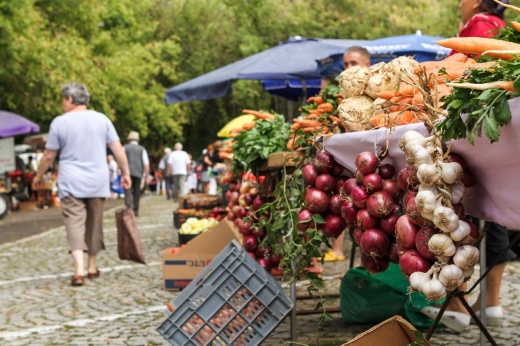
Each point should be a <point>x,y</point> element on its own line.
<point>367,298</point>
<point>128,240</point>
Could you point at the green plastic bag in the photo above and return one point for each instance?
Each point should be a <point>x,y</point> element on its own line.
<point>367,298</point>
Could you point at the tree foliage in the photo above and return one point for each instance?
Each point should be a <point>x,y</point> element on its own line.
<point>128,52</point>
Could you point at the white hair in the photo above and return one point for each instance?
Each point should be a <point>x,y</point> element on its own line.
<point>167,150</point>
<point>178,146</point>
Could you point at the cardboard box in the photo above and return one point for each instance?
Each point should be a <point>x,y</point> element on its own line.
<point>395,331</point>
<point>181,266</point>
<point>287,157</point>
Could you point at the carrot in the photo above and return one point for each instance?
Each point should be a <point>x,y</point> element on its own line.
<point>295,126</point>
<point>318,100</point>
<point>387,95</point>
<point>418,100</point>
<point>326,107</point>
<point>479,45</point>
<point>249,126</point>
<point>378,120</point>
<point>396,99</point>
<point>335,118</point>
<point>406,101</point>
<point>261,115</point>
<point>310,99</point>
<point>406,89</point>
<point>458,57</point>
<point>515,25</point>
<point>225,150</point>
<point>507,86</point>
<point>471,61</point>
<point>312,116</point>
<point>308,123</point>
<point>316,111</point>
<point>393,108</point>
<point>310,129</point>
<point>404,118</point>
<point>292,140</point>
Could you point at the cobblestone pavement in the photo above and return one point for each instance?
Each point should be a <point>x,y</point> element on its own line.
<point>126,304</point>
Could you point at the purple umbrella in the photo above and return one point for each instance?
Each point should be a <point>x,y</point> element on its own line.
<point>13,125</point>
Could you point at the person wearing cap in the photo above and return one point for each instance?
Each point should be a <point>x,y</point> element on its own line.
<point>139,167</point>
<point>83,182</point>
<point>163,165</point>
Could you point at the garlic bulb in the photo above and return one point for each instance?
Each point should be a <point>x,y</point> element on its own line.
<point>457,192</point>
<point>418,279</point>
<point>466,256</point>
<point>353,81</point>
<point>445,219</point>
<point>427,174</point>
<point>451,172</point>
<point>418,156</point>
<point>426,202</point>
<point>451,277</point>
<point>468,273</point>
<point>434,289</point>
<point>410,137</point>
<point>441,245</point>
<point>430,146</point>
<point>461,232</point>
<point>432,189</point>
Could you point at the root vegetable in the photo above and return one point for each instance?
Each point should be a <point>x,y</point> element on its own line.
<point>421,242</point>
<point>411,261</point>
<point>406,231</point>
<point>324,163</point>
<point>366,162</point>
<point>349,212</point>
<point>386,171</point>
<point>316,201</point>
<point>309,174</point>
<point>325,183</point>
<point>375,265</point>
<point>380,204</point>
<point>365,221</point>
<point>372,182</point>
<point>333,226</point>
<point>359,195</point>
<point>355,112</point>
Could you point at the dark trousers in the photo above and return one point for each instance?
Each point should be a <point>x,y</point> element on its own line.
<point>135,190</point>
<point>169,187</point>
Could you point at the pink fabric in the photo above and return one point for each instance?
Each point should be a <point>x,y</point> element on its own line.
<point>496,166</point>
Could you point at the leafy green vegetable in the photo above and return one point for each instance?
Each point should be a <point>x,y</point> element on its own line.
<point>509,33</point>
<point>469,111</point>
<point>254,146</point>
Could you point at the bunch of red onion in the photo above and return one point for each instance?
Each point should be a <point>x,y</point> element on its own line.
<point>433,231</point>
<point>371,207</point>
<point>323,179</point>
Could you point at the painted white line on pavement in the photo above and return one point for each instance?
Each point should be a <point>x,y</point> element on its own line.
<point>76,323</point>
<point>55,276</point>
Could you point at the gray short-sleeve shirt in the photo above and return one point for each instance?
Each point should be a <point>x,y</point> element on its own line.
<point>82,138</point>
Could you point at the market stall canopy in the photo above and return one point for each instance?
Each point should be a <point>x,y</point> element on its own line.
<point>295,59</point>
<point>234,123</point>
<point>421,47</point>
<point>292,89</point>
<point>13,125</point>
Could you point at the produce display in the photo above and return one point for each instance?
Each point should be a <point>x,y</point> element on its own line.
<point>195,226</point>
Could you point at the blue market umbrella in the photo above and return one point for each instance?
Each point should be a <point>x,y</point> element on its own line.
<point>295,59</point>
<point>422,47</point>
<point>292,89</point>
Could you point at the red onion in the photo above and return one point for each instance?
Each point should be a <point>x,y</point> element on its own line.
<point>260,252</point>
<point>338,170</point>
<point>275,259</point>
<point>245,228</point>
<point>349,212</point>
<point>349,185</point>
<point>305,215</point>
<point>234,196</point>
<point>408,196</point>
<point>339,183</point>
<point>468,179</point>
<point>325,183</point>
<point>228,195</point>
<point>390,186</point>
<point>407,179</point>
<point>473,236</point>
<point>235,209</point>
<point>252,254</point>
<point>357,233</point>
<point>309,174</point>
<point>231,216</point>
<point>411,261</point>
<point>359,177</point>
<point>397,207</point>
<point>365,220</point>
<point>372,182</point>
<point>335,204</point>
<point>258,202</point>
<point>457,158</point>
<point>249,198</point>
<point>406,231</point>
<point>377,265</point>
<point>374,243</point>
<point>380,204</point>
<point>238,222</point>
<point>387,224</point>
<point>386,171</point>
<point>264,263</point>
<point>258,233</point>
<point>359,195</point>
<point>421,242</point>
<point>367,162</point>
<point>317,201</point>
<point>249,243</point>
<point>242,212</point>
<point>393,253</point>
<point>333,226</point>
<point>234,187</point>
<point>459,210</point>
<point>324,162</point>
<point>400,248</point>
<point>412,211</point>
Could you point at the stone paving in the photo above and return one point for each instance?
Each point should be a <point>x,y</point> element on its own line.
<point>127,303</point>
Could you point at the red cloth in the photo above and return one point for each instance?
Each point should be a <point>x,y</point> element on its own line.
<point>481,25</point>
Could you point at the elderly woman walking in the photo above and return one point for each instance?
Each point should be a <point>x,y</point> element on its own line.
<point>83,181</point>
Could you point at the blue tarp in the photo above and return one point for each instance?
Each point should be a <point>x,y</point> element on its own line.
<point>295,59</point>
<point>422,47</point>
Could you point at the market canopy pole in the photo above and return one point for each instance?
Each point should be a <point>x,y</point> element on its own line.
<point>295,59</point>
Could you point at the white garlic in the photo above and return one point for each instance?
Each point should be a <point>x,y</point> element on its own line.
<point>451,277</point>
<point>434,289</point>
<point>411,138</point>
<point>445,219</point>
<point>466,256</point>
<point>451,172</point>
<point>457,192</point>
<point>427,174</point>
<point>461,232</point>
<point>426,202</point>
<point>418,279</point>
<point>433,189</point>
<point>441,245</point>
<point>418,156</point>
<point>468,273</point>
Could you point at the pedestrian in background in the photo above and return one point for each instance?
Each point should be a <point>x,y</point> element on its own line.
<point>207,167</point>
<point>139,167</point>
<point>191,181</point>
<point>163,165</point>
<point>178,167</point>
<point>113,176</point>
<point>83,181</point>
